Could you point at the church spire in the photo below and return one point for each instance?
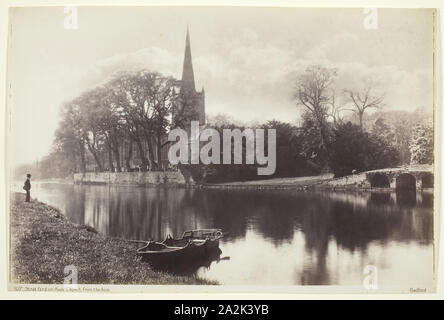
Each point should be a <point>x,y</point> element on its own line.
<point>187,73</point>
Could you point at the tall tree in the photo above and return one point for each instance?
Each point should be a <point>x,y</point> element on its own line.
<point>146,100</point>
<point>162,102</point>
<point>362,100</point>
<point>336,107</point>
<point>131,111</point>
<point>90,121</point>
<point>314,94</point>
<point>71,125</point>
<point>110,123</point>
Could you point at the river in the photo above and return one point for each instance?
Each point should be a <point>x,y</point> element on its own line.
<point>275,237</point>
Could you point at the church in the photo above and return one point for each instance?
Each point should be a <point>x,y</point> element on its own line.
<point>192,102</point>
<point>191,107</point>
<point>188,87</point>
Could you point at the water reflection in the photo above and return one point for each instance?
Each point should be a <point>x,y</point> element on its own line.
<point>192,266</point>
<point>383,198</point>
<point>275,236</point>
<point>406,198</point>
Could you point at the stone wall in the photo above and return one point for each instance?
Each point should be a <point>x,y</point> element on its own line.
<point>172,178</point>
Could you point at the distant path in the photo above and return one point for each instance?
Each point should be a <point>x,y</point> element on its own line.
<point>278,182</point>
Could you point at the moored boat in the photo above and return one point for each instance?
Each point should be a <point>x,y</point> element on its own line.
<point>193,245</point>
<point>212,235</point>
<point>162,254</point>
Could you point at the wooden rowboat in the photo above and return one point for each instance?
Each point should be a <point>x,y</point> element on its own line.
<point>161,254</point>
<point>193,245</point>
<point>212,235</point>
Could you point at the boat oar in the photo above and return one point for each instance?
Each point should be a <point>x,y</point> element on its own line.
<point>225,258</point>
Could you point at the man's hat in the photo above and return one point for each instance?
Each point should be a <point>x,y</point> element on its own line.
<point>28,175</point>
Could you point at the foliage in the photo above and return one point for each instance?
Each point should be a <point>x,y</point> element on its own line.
<point>128,118</point>
<point>401,124</point>
<point>290,161</point>
<point>312,149</point>
<point>131,109</point>
<point>355,149</point>
<point>384,144</point>
<point>291,158</point>
<point>384,132</point>
<point>421,145</point>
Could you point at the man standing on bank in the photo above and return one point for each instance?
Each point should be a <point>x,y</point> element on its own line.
<point>27,187</point>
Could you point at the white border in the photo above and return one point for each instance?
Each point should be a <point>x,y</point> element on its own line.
<point>223,292</point>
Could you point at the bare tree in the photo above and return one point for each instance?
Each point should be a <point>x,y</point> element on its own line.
<point>313,93</point>
<point>364,100</point>
<point>335,109</point>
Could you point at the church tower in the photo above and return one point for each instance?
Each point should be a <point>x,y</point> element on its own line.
<point>192,98</point>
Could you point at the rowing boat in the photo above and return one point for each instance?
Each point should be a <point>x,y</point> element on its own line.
<point>193,245</point>
<point>162,254</point>
<point>212,235</point>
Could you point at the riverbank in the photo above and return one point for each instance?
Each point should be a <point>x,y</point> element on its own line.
<point>299,183</point>
<point>374,180</point>
<point>421,177</point>
<point>44,241</point>
<point>148,178</point>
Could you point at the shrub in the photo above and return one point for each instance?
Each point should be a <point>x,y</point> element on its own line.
<point>354,149</point>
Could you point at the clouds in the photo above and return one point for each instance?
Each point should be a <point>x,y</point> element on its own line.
<point>254,80</point>
<point>247,59</point>
<point>80,78</point>
<point>250,76</point>
<point>340,46</point>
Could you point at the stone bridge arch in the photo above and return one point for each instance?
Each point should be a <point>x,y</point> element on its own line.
<point>427,180</point>
<point>379,180</point>
<point>406,181</point>
<point>401,179</point>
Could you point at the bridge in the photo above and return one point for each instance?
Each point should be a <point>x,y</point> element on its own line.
<point>402,178</point>
<point>410,178</point>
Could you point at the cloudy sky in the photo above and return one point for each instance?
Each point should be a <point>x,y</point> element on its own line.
<point>246,58</point>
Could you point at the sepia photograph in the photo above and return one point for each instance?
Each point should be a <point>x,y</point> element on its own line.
<point>221,148</point>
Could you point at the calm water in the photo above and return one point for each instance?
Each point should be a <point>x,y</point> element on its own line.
<point>275,237</point>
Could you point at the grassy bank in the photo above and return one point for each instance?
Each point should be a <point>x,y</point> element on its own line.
<point>43,242</point>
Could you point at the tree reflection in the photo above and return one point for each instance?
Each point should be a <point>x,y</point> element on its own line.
<point>351,220</point>
<point>380,198</point>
